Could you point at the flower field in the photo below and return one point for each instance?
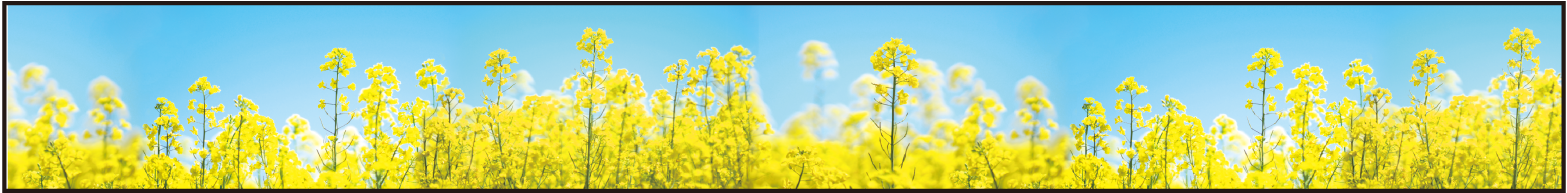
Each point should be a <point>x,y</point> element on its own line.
<point>605,130</point>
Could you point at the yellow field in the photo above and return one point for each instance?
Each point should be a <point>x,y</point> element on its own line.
<point>710,132</point>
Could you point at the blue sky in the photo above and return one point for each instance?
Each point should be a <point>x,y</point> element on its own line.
<point>1193,53</point>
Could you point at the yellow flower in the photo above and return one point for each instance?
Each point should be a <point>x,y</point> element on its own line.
<point>1130,85</point>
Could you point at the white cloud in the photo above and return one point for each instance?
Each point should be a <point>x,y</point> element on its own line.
<point>308,144</point>
<point>13,107</point>
<point>1234,145</point>
<point>353,133</point>
<point>863,85</point>
<point>1115,144</point>
<point>189,145</point>
<point>1278,134</point>
<point>524,84</point>
<point>1450,84</point>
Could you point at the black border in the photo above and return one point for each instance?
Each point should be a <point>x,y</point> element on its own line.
<point>785,3</point>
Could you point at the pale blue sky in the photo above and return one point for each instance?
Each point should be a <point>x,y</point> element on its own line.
<point>1193,53</point>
